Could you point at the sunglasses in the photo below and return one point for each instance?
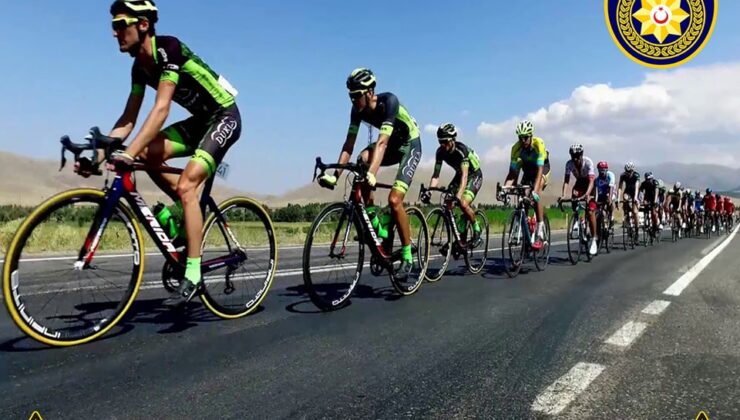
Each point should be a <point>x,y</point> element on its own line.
<point>357,94</point>
<point>122,23</point>
<point>525,138</point>
<point>444,140</point>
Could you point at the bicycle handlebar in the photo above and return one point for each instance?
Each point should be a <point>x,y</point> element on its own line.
<point>95,141</point>
<point>447,192</point>
<point>358,169</point>
<point>574,201</point>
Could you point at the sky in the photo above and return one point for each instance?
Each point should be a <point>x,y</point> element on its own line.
<point>482,65</point>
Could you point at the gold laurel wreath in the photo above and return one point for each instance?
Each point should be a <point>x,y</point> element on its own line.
<point>624,20</point>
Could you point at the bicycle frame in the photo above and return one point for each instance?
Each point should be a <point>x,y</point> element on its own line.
<point>124,186</point>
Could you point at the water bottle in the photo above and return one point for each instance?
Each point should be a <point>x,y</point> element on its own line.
<point>575,233</point>
<point>532,224</point>
<point>380,224</point>
<point>166,220</point>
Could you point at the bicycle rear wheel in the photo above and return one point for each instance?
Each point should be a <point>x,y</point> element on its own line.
<point>440,244</point>
<point>476,256</point>
<point>51,293</point>
<point>512,244</point>
<point>242,233</point>
<point>333,256</point>
<point>542,257</point>
<point>419,252</point>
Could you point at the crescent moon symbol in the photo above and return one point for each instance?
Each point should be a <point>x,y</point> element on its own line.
<point>659,21</point>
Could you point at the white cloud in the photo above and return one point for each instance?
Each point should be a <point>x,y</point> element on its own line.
<point>430,129</point>
<point>689,115</point>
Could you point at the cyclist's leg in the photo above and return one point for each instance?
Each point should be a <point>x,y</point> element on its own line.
<point>221,133</point>
<point>475,180</point>
<point>177,140</point>
<point>410,157</point>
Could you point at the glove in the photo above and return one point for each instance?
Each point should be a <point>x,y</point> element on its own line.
<point>121,159</point>
<point>426,197</point>
<point>328,181</point>
<point>371,179</point>
<point>535,197</point>
<point>84,167</point>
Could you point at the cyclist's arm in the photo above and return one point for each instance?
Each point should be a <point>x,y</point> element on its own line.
<point>566,181</point>
<point>437,169</point>
<point>539,180</point>
<point>590,186</point>
<point>392,107</point>
<point>156,118</point>
<point>127,121</point>
<point>511,177</point>
<point>379,152</point>
<point>347,149</point>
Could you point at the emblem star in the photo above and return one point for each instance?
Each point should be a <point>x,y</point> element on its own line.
<point>661,18</point>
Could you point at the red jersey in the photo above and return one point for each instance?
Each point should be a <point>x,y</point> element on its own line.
<point>729,206</point>
<point>709,202</point>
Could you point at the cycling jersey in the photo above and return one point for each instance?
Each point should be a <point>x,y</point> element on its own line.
<point>698,204</point>
<point>531,158</point>
<point>390,117</point>
<point>461,155</point>
<point>674,198</point>
<point>709,202</point>
<point>649,188</point>
<point>605,185</point>
<point>586,171</point>
<point>630,181</point>
<point>200,90</point>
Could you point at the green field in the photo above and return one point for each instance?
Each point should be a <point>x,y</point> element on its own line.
<point>65,236</point>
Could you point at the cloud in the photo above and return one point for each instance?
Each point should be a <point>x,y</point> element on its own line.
<point>689,115</point>
<point>430,129</point>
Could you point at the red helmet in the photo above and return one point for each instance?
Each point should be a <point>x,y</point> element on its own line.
<point>602,165</point>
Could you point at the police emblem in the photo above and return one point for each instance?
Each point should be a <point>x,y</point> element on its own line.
<point>660,33</point>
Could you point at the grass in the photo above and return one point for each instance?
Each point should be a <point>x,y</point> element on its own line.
<point>55,237</point>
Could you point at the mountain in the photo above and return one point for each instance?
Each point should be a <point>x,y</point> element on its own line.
<point>27,181</point>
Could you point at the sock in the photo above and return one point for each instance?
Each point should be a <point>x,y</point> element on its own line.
<point>192,270</point>
<point>476,227</point>
<point>406,253</point>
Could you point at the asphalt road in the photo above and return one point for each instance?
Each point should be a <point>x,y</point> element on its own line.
<point>625,336</point>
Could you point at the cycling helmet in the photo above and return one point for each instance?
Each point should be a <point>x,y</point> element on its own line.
<point>360,80</point>
<point>576,150</point>
<point>629,167</point>
<point>661,185</point>
<point>648,175</point>
<point>688,191</point>
<point>677,185</point>
<point>603,166</point>
<point>524,128</point>
<point>447,131</point>
<point>139,8</point>
<point>709,191</point>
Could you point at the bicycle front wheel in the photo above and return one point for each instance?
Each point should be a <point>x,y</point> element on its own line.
<point>542,257</point>
<point>333,256</point>
<point>512,244</point>
<point>477,252</point>
<point>440,244</point>
<point>419,253</point>
<point>240,240</point>
<point>573,240</point>
<point>52,293</point>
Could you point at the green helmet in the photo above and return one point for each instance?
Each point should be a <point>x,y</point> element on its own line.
<point>524,128</point>
<point>361,79</point>
<point>447,131</point>
<point>138,8</point>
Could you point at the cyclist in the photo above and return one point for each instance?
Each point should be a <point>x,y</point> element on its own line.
<point>729,211</point>
<point>672,204</point>
<point>661,201</point>
<point>698,209</point>
<point>720,213</point>
<point>630,179</point>
<point>468,175</point>
<point>167,65</point>
<point>606,188</point>
<point>529,155</point>
<point>582,168</point>
<point>649,196</point>
<point>398,143</point>
<point>710,206</point>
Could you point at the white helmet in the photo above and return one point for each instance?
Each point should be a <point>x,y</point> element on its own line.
<point>677,185</point>
<point>524,128</point>
<point>576,149</point>
<point>630,166</point>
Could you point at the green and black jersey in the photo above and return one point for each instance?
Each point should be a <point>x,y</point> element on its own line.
<point>390,117</point>
<point>200,90</point>
<point>460,156</point>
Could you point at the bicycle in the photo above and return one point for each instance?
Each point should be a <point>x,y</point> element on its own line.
<point>519,229</point>
<point>605,226</point>
<point>578,236</point>
<point>675,226</point>
<point>629,225</point>
<point>651,233</point>
<point>451,241</point>
<point>338,225</point>
<point>117,212</point>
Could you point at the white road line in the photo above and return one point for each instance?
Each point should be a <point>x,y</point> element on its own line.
<point>627,334</point>
<point>683,282</point>
<point>656,307</point>
<point>562,392</point>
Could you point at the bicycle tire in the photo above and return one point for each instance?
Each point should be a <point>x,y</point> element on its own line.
<point>442,246</point>
<point>419,249</point>
<point>542,257</point>
<point>512,228</point>
<point>23,313</point>
<point>573,244</point>
<point>250,209</point>
<point>312,287</point>
<point>473,261</point>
